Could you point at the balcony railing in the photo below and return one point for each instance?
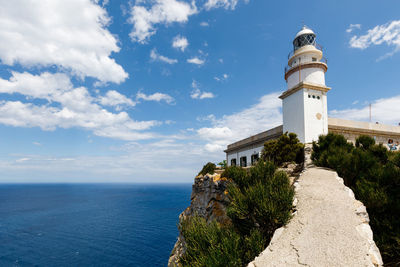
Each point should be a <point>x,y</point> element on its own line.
<point>318,46</point>
<point>323,60</point>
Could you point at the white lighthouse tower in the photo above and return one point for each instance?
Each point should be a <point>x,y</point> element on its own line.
<point>305,109</point>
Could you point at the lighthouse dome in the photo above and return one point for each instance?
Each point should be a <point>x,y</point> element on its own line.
<point>305,36</point>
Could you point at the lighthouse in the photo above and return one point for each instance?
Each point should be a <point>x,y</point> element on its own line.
<point>304,106</point>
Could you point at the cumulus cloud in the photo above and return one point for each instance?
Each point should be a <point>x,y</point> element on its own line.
<point>384,110</point>
<point>196,61</point>
<point>227,4</point>
<point>157,57</point>
<point>180,42</point>
<point>114,98</point>
<point>158,97</point>
<point>198,94</point>
<point>70,34</point>
<point>388,34</point>
<point>255,119</point>
<point>353,27</point>
<point>144,19</point>
<point>67,107</point>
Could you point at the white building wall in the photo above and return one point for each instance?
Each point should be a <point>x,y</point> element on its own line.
<point>316,117</point>
<point>245,152</point>
<point>310,75</point>
<point>293,114</point>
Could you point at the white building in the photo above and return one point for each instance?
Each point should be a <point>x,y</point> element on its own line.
<point>305,107</point>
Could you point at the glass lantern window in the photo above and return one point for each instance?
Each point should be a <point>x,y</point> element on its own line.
<point>302,40</point>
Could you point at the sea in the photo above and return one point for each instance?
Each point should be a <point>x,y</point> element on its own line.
<point>89,224</point>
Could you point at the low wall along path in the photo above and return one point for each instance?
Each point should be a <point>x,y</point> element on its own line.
<point>329,228</point>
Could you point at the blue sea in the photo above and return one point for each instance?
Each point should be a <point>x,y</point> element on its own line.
<point>89,224</point>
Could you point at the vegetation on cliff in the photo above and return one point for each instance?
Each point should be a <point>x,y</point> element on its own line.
<point>260,202</point>
<point>373,173</point>
<point>208,168</point>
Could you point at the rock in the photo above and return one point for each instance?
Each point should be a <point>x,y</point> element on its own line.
<point>209,200</point>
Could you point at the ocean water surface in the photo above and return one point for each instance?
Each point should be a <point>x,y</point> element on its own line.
<point>89,224</point>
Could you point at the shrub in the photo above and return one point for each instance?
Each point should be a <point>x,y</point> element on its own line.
<point>265,202</point>
<point>208,168</point>
<point>287,148</point>
<point>210,244</point>
<point>260,202</point>
<point>223,164</point>
<point>373,173</point>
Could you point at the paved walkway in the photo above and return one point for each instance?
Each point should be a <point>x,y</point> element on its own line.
<point>329,228</point>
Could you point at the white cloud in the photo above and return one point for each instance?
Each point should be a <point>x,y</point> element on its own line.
<point>67,107</point>
<point>353,27</point>
<point>388,34</point>
<point>156,57</point>
<point>161,12</point>
<point>227,4</point>
<point>198,94</point>
<point>224,77</point>
<point>114,98</point>
<point>70,34</point>
<point>255,119</point>
<point>180,42</point>
<point>204,24</point>
<point>158,97</point>
<point>196,60</point>
<point>37,143</point>
<point>384,110</point>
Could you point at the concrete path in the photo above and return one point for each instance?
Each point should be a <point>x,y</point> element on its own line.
<point>329,228</point>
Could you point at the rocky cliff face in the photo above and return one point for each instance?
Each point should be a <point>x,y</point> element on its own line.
<point>209,200</point>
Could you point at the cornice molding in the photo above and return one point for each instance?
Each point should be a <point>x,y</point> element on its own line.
<point>304,85</point>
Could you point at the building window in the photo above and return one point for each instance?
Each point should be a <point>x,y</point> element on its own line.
<point>314,59</point>
<point>318,97</point>
<point>254,159</point>
<point>233,162</point>
<point>313,96</point>
<point>243,162</point>
<point>309,96</point>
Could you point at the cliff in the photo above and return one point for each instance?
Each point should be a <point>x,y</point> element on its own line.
<point>209,200</point>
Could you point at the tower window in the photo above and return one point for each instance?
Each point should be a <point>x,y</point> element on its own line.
<point>309,96</point>
<point>313,96</point>
<point>318,97</point>
<point>314,59</point>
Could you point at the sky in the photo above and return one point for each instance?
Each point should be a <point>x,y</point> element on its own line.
<point>148,91</point>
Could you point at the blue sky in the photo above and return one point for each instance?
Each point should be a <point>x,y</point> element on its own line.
<point>150,90</point>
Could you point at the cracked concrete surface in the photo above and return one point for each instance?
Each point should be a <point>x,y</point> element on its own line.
<point>329,228</point>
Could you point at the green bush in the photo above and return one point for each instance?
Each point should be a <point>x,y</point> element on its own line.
<point>260,202</point>
<point>287,148</point>
<point>208,168</point>
<point>373,173</point>
<point>223,164</point>
<point>210,244</point>
<point>264,202</point>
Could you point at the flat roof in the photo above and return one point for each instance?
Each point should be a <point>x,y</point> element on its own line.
<point>255,139</point>
<point>363,127</point>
